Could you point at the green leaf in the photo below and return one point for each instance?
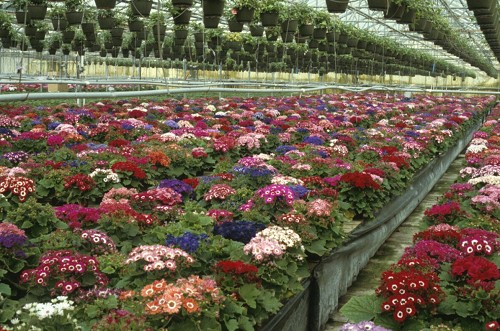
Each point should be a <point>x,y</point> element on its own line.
<point>447,306</point>
<point>465,309</point>
<point>269,302</point>
<point>249,293</point>
<point>362,308</point>
<point>26,225</point>
<point>231,325</point>
<point>317,247</point>
<point>245,324</point>
<point>108,270</point>
<point>387,322</point>
<point>5,289</point>
<point>413,325</point>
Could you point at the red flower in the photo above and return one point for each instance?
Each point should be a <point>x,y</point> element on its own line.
<point>193,182</point>
<point>492,326</point>
<point>129,167</point>
<point>475,269</point>
<point>360,180</point>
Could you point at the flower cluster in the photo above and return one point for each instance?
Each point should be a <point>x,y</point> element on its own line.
<point>56,314</point>
<point>242,231</point>
<point>17,185</point>
<point>129,167</point>
<point>476,270</point>
<point>405,291</point>
<point>177,185</point>
<point>99,241</point>
<point>156,197</point>
<point>220,215</point>
<point>444,212</point>
<point>82,182</point>
<point>188,241</point>
<point>120,319</point>
<point>219,192</point>
<point>77,215</point>
<point>11,236</point>
<point>360,180</point>
<point>16,157</point>
<point>362,326</point>
<point>107,175</point>
<point>263,249</point>
<point>64,272</point>
<point>319,208</point>
<point>273,193</point>
<point>158,257</point>
<point>188,295</point>
<point>286,237</point>
<point>238,270</point>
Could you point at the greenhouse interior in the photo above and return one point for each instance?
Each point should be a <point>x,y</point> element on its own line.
<point>267,165</point>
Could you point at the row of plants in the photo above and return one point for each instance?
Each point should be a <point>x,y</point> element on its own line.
<point>486,14</point>
<point>449,278</point>
<point>425,17</point>
<point>316,30</point>
<point>196,214</point>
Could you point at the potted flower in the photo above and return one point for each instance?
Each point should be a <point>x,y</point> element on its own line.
<point>21,8</point>
<point>54,41</point>
<point>41,29</point>
<point>181,31</point>
<point>66,49</point>
<point>135,24</point>
<point>233,41</point>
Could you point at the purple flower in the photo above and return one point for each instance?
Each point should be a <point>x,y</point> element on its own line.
<point>188,242</point>
<point>178,186</point>
<point>242,231</point>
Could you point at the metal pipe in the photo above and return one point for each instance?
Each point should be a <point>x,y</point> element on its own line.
<point>73,95</point>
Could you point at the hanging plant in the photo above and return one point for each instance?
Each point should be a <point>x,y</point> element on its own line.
<point>141,8</point>
<point>74,11</point>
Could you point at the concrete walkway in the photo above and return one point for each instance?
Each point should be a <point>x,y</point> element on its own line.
<point>391,251</point>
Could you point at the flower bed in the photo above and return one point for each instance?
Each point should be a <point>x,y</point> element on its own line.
<point>448,277</point>
<point>198,213</point>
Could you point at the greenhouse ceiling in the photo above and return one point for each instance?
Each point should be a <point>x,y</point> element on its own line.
<point>465,33</point>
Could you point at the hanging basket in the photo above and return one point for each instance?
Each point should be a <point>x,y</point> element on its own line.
<point>182,3</point>
<point>88,28</point>
<point>52,51</point>
<point>395,11</point>
<point>287,37</point>
<point>244,14</point>
<point>29,31</point>
<point>269,18</point>
<point>319,33</point>
<point>105,4</point>
<point>481,4</point>
<point>141,7</point>
<point>211,22</point>
<point>306,30</point>
<point>378,5</point>
<point>181,34</point>
<point>336,6</point>
<point>419,25</point>
<point>408,16</point>
<point>106,23</point>
<point>183,17</point>
<point>233,45</point>
<point>67,36</point>
<point>256,31</point>
<point>59,24</point>
<point>37,12</point>
<point>74,18</point>
<point>135,26</point>
<point>22,17</point>
<point>235,26</point>
<point>289,26</point>
<point>213,7</point>
<point>332,36</point>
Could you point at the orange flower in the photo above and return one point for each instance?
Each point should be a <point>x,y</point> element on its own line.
<point>170,304</point>
<point>148,291</point>
<point>153,308</point>
<point>126,295</point>
<point>159,158</point>
<point>190,305</point>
